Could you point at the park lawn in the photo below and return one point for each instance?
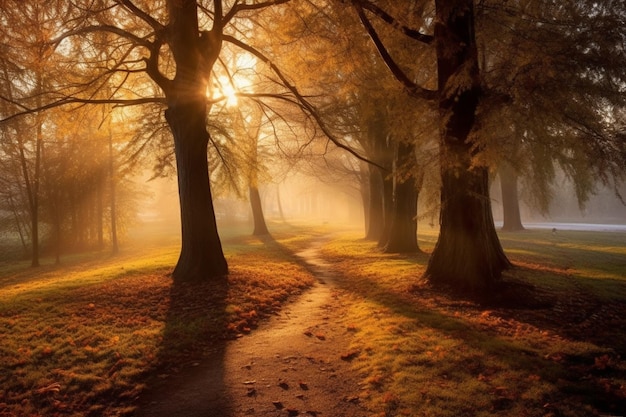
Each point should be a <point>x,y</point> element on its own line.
<point>426,352</point>
<point>82,339</point>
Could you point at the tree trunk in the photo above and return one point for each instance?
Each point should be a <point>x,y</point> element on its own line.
<point>112,197</point>
<point>387,195</point>
<point>468,254</point>
<point>260,228</point>
<point>376,217</point>
<point>512,220</point>
<point>201,255</point>
<point>403,229</point>
<point>280,205</point>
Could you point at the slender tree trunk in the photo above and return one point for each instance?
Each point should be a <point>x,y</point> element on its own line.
<point>468,254</point>
<point>512,219</point>
<point>260,227</point>
<point>100,212</point>
<point>279,203</point>
<point>18,223</point>
<point>376,216</point>
<point>31,183</point>
<point>403,229</point>
<point>112,191</point>
<point>387,182</point>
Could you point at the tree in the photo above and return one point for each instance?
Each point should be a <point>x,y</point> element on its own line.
<point>553,81</point>
<point>28,137</point>
<point>468,253</point>
<point>178,56</point>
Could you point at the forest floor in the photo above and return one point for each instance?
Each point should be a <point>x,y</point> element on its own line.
<point>365,342</point>
<point>317,322</point>
<point>296,363</point>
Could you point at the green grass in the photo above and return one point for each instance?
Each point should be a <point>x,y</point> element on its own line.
<point>423,353</point>
<point>84,338</point>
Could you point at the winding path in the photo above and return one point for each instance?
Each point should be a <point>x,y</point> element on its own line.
<point>290,366</point>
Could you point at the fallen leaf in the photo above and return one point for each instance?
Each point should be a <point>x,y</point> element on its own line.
<point>350,355</point>
<point>54,387</point>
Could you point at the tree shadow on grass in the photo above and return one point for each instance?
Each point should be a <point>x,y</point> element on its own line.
<point>189,379</point>
<point>578,379</point>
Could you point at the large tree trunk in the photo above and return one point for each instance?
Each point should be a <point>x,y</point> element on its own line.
<point>512,219</point>
<point>468,254</point>
<point>260,227</point>
<point>201,255</point>
<point>403,230</point>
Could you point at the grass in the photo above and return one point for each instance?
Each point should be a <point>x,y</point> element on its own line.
<point>424,353</point>
<point>84,338</point>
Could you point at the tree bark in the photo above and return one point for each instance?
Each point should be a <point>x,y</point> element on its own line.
<point>112,196</point>
<point>468,254</point>
<point>260,227</point>
<point>403,230</point>
<point>512,219</point>
<point>375,218</point>
<point>387,189</point>
<point>201,256</point>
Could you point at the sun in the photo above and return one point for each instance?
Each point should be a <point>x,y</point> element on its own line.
<point>228,89</point>
<point>230,92</point>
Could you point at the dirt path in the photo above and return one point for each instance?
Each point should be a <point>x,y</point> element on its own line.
<point>291,365</point>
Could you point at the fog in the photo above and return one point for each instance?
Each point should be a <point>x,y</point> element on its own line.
<point>301,198</point>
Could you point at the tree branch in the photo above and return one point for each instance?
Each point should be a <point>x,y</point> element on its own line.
<point>74,100</point>
<point>239,7</point>
<point>301,101</point>
<point>411,33</point>
<point>152,63</point>
<point>103,28</point>
<point>141,14</point>
<point>412,88</point>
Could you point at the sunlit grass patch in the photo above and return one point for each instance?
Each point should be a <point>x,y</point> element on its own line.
<point>81,338</point>
<point>423,353</point>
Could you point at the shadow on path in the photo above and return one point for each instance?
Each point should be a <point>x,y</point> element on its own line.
<point>191,387</point>
<point>291,365</point>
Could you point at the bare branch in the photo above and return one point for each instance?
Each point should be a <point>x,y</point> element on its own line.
<point>301,101</point>
<point>152,64</point>
<point>411,33</point>
<point>103,28</point>
<point>239,7</point>
<point>412,88</point>
<point>74,100</point>
<point>218,18</point>
<point>128,4</point>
